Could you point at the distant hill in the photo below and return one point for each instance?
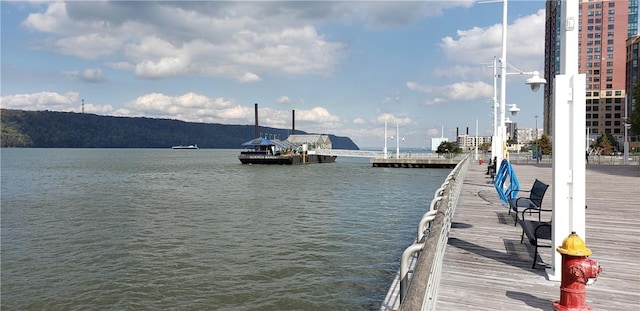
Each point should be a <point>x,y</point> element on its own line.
<point>51,129</point>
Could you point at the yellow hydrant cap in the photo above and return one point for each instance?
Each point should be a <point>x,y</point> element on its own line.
<point>573,245</point>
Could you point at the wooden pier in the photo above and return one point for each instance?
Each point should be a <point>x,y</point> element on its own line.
<point>485,267</point>
<point>409,162</point>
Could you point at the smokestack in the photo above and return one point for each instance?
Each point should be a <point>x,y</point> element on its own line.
<point>457,132</point>
<point>256,130</point>
<point>293,122</point>
<point>467,131</point>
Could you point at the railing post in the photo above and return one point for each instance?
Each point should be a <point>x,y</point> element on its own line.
<point>404,267</point>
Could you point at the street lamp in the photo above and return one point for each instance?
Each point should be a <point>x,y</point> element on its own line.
<point>398,138</point>
<point>536,140</point>
<point>535,81</point>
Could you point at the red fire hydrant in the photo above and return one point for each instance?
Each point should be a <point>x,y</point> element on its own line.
<point>577,272</point>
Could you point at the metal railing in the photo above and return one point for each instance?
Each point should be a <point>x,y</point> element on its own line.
<point>418,288</point>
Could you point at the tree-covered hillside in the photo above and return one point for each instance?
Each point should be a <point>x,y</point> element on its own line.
<point>50,129</point>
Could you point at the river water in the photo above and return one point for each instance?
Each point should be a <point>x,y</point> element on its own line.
<point>150,229</point>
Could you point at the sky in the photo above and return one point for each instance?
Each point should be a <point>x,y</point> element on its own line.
<point>345,67</point>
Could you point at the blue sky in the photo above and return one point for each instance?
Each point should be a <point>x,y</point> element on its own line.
<point>344,67</point>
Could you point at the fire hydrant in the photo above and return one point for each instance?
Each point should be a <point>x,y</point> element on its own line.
<point>577,272</point>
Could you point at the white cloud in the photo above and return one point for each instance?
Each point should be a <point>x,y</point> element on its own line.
<point>392,119</point>
<point>236,40</point>
<point>188,107</point>
<point>525,43</point>
<point>42,101</point>
<point>283,100</point>
<point>359,121</point>
<point>92,75</point>
<point>249,77</point>
<point>452,92</point>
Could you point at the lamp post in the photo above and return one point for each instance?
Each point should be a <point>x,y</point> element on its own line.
<point>384,151</point>
<point>535,81</point>
<point>536,140</point>
<point>626,128</point>
<point>398,138</point>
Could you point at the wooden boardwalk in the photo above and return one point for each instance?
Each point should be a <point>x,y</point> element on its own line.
<point>485,266</point>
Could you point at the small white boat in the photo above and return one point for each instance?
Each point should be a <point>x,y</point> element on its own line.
<point>185,147</point>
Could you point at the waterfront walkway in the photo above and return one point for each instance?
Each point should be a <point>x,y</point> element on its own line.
<point>485,267</point>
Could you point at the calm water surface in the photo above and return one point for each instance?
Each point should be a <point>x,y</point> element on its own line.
<point>149,229</point>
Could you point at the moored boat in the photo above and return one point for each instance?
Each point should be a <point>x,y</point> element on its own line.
<point>185,147</point>
<point>296,149</point>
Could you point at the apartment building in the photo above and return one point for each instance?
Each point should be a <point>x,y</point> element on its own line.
<point>604,27</point>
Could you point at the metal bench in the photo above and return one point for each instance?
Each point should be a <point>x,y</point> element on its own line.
<point>535,232</point>
<point>532,203</point>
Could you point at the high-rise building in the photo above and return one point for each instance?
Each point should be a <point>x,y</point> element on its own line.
<point>604,26</point>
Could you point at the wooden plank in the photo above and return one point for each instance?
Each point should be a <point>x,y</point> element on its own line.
<point>487,268</point>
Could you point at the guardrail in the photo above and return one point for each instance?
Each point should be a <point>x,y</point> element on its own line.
<point>418,288</point>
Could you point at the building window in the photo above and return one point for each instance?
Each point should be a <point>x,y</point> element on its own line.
<point>609,78</point>
<point>609,49</point>
<point>607,123</point>
<point>609,71</point>
<point>595,116</point>
<point>609,64</point>
<point>616,123</point>
<point>610,27</point>
<point>594,131</point>
<point>607,108</point>
<point>610,19</point>
<point>610,41</point>
<point>618,93</point>
<point>594,123</point>
<point>616,131</point>
<point>609,86</point>
<point>607,116</point>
